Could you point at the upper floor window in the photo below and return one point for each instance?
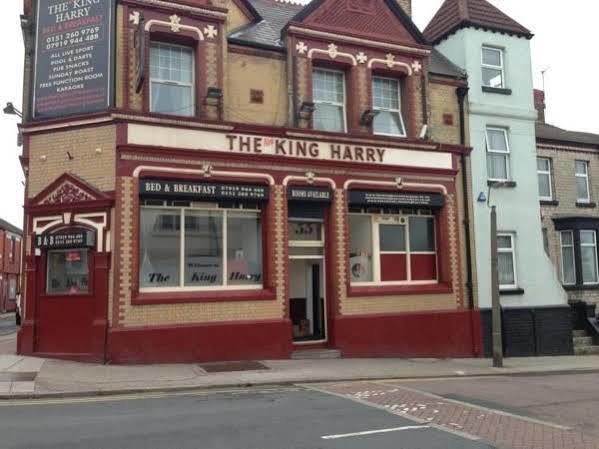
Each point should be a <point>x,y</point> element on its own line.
<point>582,182</point>
<point>492,68</point>
<point>498,153</point>
<point>544,177</point>
<point>328,94</point>
<point>506,261</point>
<point>172,79</point>
<point>386,99</point>
<point>11,255</point>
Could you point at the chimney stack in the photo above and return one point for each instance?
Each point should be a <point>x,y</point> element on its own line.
<point>540,104</point>
<point>406,5</point>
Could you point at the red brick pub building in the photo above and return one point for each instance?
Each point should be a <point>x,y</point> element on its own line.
<point>253,178</point>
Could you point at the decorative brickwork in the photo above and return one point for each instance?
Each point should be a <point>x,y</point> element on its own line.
<point>340,226</point>
<point>454,249</point>
<point>67,193</point>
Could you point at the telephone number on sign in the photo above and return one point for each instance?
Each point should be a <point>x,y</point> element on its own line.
<point>73,41</point>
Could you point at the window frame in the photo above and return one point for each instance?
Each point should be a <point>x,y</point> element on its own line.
<point>343,104</point>
<point>173,83</point>
<point>394,219</point>
<point>562,246</point>
<point>546,173</point>
<point>587,245</point>
<point>494,67</point>
<point>506,153</point>
<point>199,206</point>
<point>90,287</point>
<point>380,108</point>
<point>586,177</point>
<point>512,251</point>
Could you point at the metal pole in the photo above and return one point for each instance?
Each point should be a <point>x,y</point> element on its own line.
<point>496,307</point>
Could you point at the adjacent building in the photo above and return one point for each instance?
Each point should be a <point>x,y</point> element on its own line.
<point>241,179</point>
<point>10,266</point>
<point>567,170</point>
<point>494,50</point>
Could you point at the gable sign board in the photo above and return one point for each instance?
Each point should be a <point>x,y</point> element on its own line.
<point>73,57</point>
<point>65,240</point>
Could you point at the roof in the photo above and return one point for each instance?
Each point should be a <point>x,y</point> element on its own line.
<point>545,131</point>
<point>8,227</point>
<point>275,16</point>
<point>454,15</point>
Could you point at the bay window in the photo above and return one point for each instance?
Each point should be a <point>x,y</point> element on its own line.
<point>493,74</point>
<point>568,260</point>
<point>392,247</point>
<point>498,152</point>
<point>386,100</point>
<point>199,246</point>
<point>172,79</point>
<point>588,255</point>
<point>328,95</point>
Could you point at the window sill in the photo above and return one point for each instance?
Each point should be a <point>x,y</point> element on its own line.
<point>504,184</point>
<point>511,292</point>
<point>549,203</point>
<point>586,205</point>
<point>497,90</point>
<point>581,287</point>
<point>175,297</point>
<point>398,290</point>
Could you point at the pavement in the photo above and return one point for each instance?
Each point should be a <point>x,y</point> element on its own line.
<point>31,377</point>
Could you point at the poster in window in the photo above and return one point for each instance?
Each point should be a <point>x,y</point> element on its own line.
<point>73,57</point>
<point>361,268</point>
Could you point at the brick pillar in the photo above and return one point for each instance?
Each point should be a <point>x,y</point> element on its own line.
<point>26,335</point>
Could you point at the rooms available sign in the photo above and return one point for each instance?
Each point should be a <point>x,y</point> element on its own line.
<point>73,69</point>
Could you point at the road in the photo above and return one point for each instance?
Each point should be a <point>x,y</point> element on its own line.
<point>267,418</point>
<point>7,324</point>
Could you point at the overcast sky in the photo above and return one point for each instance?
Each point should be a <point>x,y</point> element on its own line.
<point>565,43</point>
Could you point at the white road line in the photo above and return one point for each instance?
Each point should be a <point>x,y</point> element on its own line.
<point>373,432</point>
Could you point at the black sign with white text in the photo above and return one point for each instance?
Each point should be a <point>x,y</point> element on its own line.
<point>375,198</point>
<point>66,240</point>
<point>73,62</point>
<point>202,190</point>
<point>316,194</point>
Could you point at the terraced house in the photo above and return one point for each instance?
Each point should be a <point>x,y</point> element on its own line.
<point>238,179</point>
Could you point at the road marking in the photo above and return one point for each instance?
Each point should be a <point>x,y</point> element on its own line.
<point>373,432</point>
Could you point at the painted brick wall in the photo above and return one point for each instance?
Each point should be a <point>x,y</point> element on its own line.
<point>49,160</point>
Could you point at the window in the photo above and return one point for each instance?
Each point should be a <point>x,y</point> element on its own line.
<point>498,152</point>
<point>386,99</point>
<point>11,255</point>
<point>544,177</point>
<point>588,255</point>
<point>568,264</point>
<point>506,261</point>
<point>582,182</point>
<point>12,289</point>
<point>172,79</point>
<point>200,247</point>
<point>328,94</point>
<point>392,248</point>
<point>546,241</point>
<point>67,272</point>
<point>492,68</point>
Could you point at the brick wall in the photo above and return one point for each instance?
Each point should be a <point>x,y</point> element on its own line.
<point>444,105</point>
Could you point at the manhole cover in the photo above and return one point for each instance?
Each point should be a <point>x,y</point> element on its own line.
<point>221,367</point>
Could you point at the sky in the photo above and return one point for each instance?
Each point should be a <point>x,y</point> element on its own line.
<point>565,45</point>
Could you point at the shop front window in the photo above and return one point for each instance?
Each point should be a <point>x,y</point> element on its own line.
<point>200,248</point>
<point>393,248</point>
<point>67,272</point>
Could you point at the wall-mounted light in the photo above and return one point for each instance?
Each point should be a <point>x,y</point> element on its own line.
<point>368,117</point>
<point>306,110</point>
<point>11,110</point>
<point>213,96</point>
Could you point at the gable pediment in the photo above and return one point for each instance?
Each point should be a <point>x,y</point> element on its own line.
<point>381,19</point>
<point>67,190</point>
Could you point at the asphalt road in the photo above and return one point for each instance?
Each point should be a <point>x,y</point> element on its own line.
<point>277,418</point>
<point>570,399</point>
<point>7,324</point>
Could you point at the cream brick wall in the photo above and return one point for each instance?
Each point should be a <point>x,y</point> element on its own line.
<point>564,191</point>
<point>98,169</point>
<point>444,100</point>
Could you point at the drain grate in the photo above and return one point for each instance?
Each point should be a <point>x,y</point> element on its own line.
<point>223,367</point>
<point>8,376</point>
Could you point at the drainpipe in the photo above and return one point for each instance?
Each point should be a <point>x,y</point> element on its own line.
<point>461,93</point>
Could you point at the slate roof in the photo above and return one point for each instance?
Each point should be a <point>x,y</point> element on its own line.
<point>266,33</point>
<point>454,15</point>
<point>545,131</point>
<point>8,227</point>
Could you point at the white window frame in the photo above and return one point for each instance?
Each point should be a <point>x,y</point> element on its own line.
<point>393,111</point>
<point>562,246</point>
<point>589,245</point>
<point>495,67</point>
<point>548,174</point>
<point>181,287</point>
<point>175,83</point>
<point>394,219</point>
<point>586,177</point>
<point>506,153</point>
<point>511,250</point>
<point>343,104</point>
